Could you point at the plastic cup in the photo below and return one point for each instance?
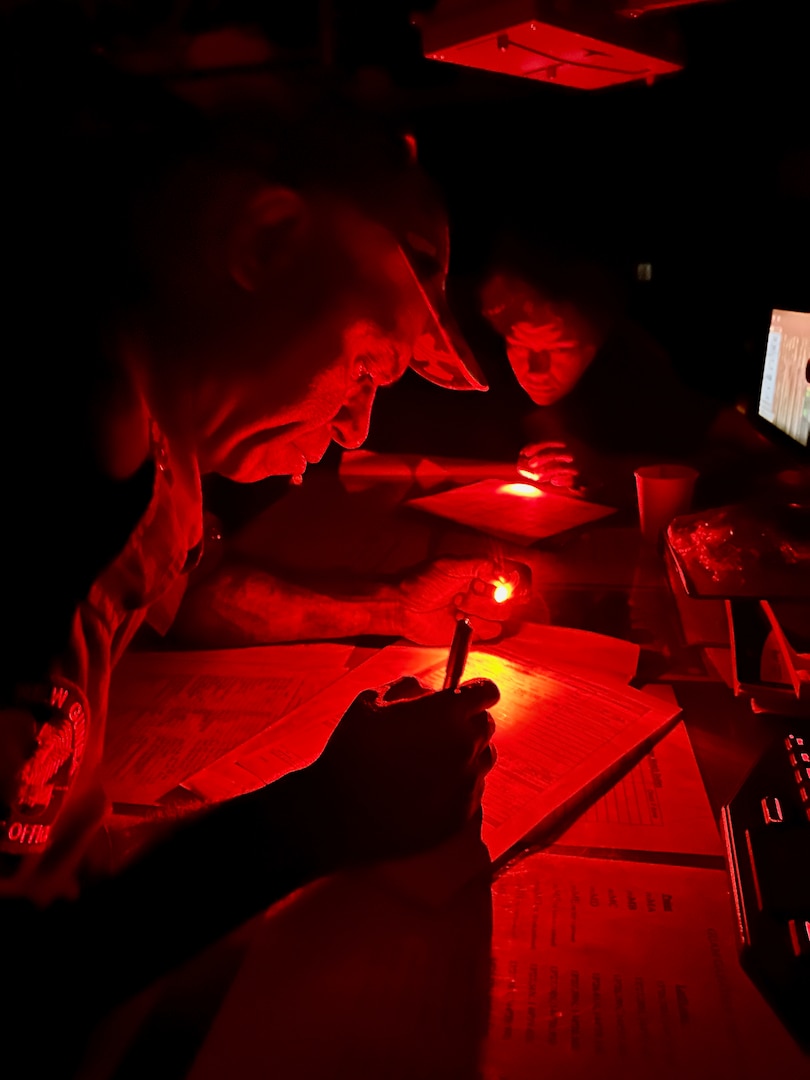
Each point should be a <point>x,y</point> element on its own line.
<point>664,492</point>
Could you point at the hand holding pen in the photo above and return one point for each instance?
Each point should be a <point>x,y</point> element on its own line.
<point>405,767</point>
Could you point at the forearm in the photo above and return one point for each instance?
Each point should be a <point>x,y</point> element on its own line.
<point>202,879</point>
<point>241,605</point>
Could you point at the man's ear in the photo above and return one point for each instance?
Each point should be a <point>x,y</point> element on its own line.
<point>265,235</point>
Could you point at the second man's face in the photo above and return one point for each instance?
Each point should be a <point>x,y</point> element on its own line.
<point>547,345</point>
<point>547,359</point>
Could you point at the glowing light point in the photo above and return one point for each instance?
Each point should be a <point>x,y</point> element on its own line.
<point>525,491</point>
<point>502,592</point>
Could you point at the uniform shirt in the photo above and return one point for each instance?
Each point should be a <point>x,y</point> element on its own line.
<point>144,582</point>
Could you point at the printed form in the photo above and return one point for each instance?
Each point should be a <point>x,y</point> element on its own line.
<point>560,967</point>
<point>622,969</point>
<point>558,734</point>
<point>232,702</point>
<point>659,806</point>
<point>173,713</point>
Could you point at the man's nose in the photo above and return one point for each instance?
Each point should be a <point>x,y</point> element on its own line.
<point>350,426</point>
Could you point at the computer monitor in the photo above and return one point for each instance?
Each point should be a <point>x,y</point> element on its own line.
<point>783,405</point>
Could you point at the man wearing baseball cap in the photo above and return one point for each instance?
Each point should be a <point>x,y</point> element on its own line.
<point>225,297</point>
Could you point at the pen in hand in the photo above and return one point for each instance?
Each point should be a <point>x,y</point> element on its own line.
<point>459,650</point>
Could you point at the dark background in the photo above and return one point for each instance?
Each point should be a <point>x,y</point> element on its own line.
<point>705,174</point>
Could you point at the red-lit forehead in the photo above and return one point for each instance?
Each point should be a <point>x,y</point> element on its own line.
<point>506,299</point>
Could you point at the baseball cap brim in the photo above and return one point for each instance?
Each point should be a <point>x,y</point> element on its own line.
<point>414,212</point>
<point>440,353</point>
<point>346,154</point>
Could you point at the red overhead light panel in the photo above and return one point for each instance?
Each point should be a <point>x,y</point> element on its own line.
<point>587,44</point>
<point>639,7</point>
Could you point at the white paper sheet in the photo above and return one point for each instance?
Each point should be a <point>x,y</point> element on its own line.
<point>557,733</point>
<point>518,511</point>
<point>566,968</point>
<point>173,713</point>
<point>659,806</point>
<point>620,970</point>
<point>598,656</point>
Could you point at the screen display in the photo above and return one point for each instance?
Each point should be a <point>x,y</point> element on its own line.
<point>784,396</point>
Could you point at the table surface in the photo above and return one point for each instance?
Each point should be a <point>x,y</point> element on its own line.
<point>599,577</point>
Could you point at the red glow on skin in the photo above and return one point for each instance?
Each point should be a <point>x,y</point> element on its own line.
<point>524,491</point>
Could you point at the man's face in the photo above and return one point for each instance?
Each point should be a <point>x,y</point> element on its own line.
<point>546,343</point>
<point>332,405</point>
<point>547,359</point>
<point>318,382</point>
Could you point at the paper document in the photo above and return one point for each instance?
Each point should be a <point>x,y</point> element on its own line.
<point>597,655</point>
<point>173,713</point>
<point>518,511</point>
<point>561,967</point>
<point>619,969</point>
<point>558,735</point>
<point>659,806</point>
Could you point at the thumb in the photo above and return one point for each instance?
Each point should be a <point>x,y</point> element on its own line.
<point>404,689</point>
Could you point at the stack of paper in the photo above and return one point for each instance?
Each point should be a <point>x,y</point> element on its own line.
<point>567,967</point>
<point>567,724</point>
<point>623,961</point>
<point>173,714</point>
